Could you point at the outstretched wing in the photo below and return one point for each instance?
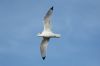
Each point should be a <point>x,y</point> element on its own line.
<point>43,47</point>
<point>47,26</point>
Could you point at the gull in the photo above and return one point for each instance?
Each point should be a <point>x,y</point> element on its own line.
<point>47,33</point>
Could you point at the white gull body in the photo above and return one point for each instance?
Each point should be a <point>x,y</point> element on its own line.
<point>47,33</point>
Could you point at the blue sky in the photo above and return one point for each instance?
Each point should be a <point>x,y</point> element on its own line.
<point>78,22</point>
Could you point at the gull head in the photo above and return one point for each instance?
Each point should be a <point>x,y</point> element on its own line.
<point>39,34</point>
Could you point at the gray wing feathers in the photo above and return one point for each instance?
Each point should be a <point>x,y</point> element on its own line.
<point>43,47</point>
<point>47,25</point>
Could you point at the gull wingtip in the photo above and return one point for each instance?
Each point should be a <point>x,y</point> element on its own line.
<point>43,58</point>
<point>52,8</point>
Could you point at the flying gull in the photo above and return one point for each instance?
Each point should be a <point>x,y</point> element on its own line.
<point>47,33</point>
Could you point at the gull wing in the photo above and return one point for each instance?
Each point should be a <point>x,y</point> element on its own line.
<point>47,26</point>
<point>43,47</point>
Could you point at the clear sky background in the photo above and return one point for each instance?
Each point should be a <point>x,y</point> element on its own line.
<point>78,22</point>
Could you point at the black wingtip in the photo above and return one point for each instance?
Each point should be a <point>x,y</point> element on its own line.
<point>43,58</point>
<point>52,8</point>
